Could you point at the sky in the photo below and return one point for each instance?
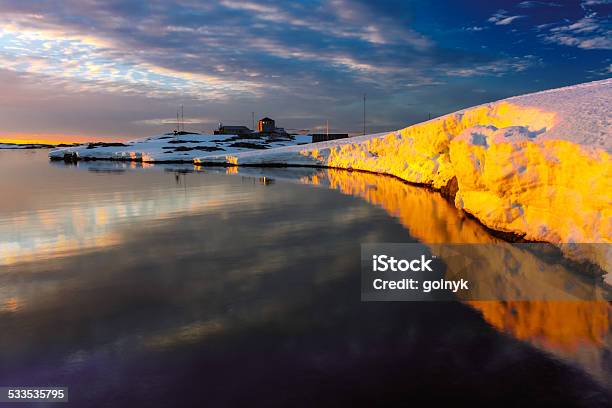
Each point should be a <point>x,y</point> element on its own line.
<point>115,70</point>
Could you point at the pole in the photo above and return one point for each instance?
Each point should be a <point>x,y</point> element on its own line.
<point>182,118</point>
<point>253,121</point>
<point>327,129</point>
<point>364,117</point>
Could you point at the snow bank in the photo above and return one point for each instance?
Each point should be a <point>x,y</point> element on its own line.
<point>183,147</point>
<point>536,165</point>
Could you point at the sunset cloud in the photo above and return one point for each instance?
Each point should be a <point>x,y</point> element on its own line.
<point>126,63</point>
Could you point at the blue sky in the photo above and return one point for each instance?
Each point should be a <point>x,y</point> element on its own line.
<point>117,69</point>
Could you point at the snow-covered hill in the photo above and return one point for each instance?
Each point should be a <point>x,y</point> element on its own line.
<point>182,147</point>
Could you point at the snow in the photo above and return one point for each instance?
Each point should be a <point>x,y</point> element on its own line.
<point>177,148</point>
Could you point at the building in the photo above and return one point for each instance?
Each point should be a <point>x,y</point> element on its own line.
<point>323,137</point>
<point>232,130</point>
<point>266,125</point>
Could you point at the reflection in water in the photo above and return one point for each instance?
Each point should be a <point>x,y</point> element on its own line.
<point>564,326</point>
<point>65,228</point>
<point>426,215</point>
<point>250,291</point>
<point>575,330</point>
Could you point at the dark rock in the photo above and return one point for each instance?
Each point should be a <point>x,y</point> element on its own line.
<point>209,148</point>
<point>182,132</point>
<point>184,141</point>
<point>449,191</point>
<point>104,144</point>
<point>246,145</point>
<point>71,157</point>
<point>202,148</point>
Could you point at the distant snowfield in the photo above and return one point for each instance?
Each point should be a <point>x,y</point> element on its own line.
<point>183,147</point>
<point>536,165</point>
<point>21,146</point>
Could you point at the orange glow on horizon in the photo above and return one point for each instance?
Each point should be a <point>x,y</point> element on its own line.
<point>57,138</point>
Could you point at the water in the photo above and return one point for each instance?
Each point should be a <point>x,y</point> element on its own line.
<point>157,287</point>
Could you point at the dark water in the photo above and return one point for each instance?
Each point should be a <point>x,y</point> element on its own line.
<point>152,287</point>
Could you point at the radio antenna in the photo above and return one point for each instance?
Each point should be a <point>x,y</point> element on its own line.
<point>364,115</point>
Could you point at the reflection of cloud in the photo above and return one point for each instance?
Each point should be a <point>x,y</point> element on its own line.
<point>188,334</point>
<point>92,223</point>
<point>11,305</point>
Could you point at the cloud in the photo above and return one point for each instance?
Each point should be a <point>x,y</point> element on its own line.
<point>605,71</point>
<point>532,4</point>
<point>172,121</point>
<point>501,17</point>
<point>590,32</point>
<point>475,28</point>
<point>92,63</point>
<point>261,47</point>
<point>303,59</point>
<point>496,68</point>
<point>595,2</point>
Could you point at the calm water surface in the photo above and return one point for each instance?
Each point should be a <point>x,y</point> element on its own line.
<point>156,287</point>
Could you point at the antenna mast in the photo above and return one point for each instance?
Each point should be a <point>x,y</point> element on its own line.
<point>364,116</point>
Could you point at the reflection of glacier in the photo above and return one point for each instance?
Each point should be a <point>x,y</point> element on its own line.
<point>431,219</point>
<point>576,330</point>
